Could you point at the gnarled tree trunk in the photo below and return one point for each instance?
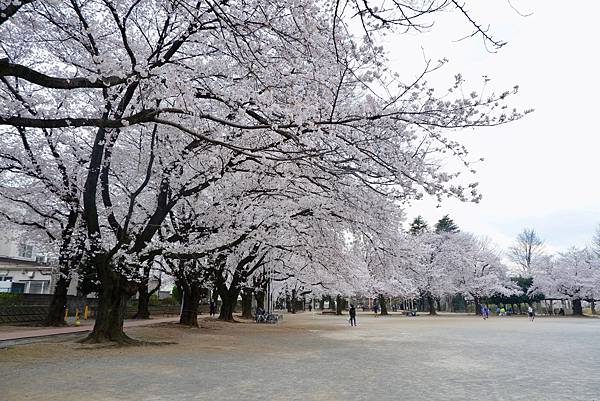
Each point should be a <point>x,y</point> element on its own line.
<point>112,306</point>
<point>431,303</point>
<point>143,311</point>
<point>339,305</point>
<point>577,309</point>
<point>228,302</point>
<point>259,295</point>
<point>189,310</point>
<point>477,306</point>
<point>383,305</point>
<point>144,293</point>
<point>293,305</point>
<point>56,311</point>
<point>247,303</point>
<point>288,303</point>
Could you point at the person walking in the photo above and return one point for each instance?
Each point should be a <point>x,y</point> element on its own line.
<point>212,308</point>
<point>530,313</point>
<point>352,313</point>
<point>482,309</point>
<point>487,312</point>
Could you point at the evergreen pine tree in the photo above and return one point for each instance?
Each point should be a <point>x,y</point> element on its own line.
<point>446,225</point>
<point>418,226</point>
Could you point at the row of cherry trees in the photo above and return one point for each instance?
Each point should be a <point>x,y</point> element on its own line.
<point>444,261</point>
<point>570,275</point>
<point>219,138</point>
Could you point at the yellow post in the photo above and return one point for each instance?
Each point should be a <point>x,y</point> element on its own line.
<point>85,313</point>
<point>66,313</point>
<point>76,313</point>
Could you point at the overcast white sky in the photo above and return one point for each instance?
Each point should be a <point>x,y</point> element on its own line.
<point>542,171</point>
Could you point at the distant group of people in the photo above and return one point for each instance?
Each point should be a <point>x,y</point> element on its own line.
<point>501,311</point>
<point>485,312</point>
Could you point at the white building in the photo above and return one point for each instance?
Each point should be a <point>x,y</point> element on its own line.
<point>23,270</point>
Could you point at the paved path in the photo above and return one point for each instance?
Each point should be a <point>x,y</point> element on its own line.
<point>85,326</point>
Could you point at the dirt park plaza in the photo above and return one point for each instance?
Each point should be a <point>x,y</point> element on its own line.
<point>316,357</point>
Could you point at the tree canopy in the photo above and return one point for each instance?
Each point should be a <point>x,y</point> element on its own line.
<point>223,139</point>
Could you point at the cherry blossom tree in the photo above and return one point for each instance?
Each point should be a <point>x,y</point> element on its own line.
<point>41,192</point>
<point>573,275</point>
<point>298,227</point>
<point>430,269</point>
<point>479,271</point>
<point>450,263</point>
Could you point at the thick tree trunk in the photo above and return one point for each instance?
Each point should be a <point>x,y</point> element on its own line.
<point>577,309</point>
<point>293,301</point>
<point>431,303</point>
<point>477,306</point>
<point>260,299</point>
<point>247,304</point>
<point>56,311</point>
<point>143,311</point>
<point>322,303</point>
<point>189,311</point>
<point>593,307</point>
<point>383,305</point>
<point>112,306</point>
<point>338,305</point>
<point>288,304</point>
<point>228,301</point>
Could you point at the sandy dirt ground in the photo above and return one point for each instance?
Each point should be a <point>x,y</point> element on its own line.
<point>315,357</point>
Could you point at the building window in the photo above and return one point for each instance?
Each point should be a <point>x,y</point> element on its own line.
<point>5,283</point>
<point>38,287</point>
<point>25,251</point>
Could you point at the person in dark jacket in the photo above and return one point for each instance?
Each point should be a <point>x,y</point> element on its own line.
<point>352,312</point>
